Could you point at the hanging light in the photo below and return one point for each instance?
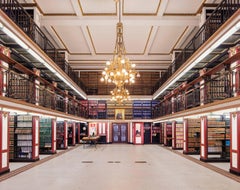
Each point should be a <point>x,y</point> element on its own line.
<point>120,94</point>
<point>119,70</point>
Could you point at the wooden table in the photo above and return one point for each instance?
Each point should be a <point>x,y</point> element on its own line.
<point>91,140</point>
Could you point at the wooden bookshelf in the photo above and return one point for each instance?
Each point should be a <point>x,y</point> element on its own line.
<point>142,109</point>
<point>167,134</point>
<point>71,134</point>
<point>215,143</point>
<point>191,136</point>
<point>177,135</point>
<point>147,132</point>
<point>62,138</point>
<point>102,109</point>
<point>83,131</point>
<point>156,133</point>
<point>47,136</point>
<point>25,138</point>
<point>92,109</point>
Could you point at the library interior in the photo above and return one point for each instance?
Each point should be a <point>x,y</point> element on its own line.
<point>146,91</point>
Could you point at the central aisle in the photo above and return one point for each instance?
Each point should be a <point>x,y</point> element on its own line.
<point>119,167</point>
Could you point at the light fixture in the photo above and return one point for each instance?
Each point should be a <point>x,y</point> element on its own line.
<point>119,71</point>
<point>120,94</point>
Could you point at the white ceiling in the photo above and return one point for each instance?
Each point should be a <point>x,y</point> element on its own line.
<point>87,29</point>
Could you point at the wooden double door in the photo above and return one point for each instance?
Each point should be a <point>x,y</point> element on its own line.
<point>120,132</point>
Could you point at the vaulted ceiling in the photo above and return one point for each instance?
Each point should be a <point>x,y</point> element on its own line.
<point>86,29</point>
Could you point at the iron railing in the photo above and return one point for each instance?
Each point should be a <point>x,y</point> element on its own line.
<point>219,16</point>
<point>216,87</point>
<point>22,87</point>
<point>19,15</point>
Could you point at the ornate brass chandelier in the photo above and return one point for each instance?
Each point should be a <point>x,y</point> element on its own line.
<point>119,71</point>
<point>120,94</point>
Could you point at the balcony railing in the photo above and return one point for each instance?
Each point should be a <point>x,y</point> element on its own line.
<point>16,12</point>
<point>23,87</point>
<point>220,15</point>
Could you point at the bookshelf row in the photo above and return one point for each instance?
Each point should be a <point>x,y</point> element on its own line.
<point>209,137</point>
<point>107,110</point>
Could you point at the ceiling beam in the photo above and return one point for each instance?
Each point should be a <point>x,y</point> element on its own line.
<point>129,20</point>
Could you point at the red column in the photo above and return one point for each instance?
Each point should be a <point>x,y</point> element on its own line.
<point>165,133</point>
<point>35,137</point>
<point>174,134</point>
<point>4,142</point>
<point>235,143</point>
<point>185,136</point>
<point>54,136</point>
<point>74,133</point>
<point>204,139</point>
<point>65,134</point>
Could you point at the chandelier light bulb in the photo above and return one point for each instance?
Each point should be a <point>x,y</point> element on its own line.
<point>108,63</point>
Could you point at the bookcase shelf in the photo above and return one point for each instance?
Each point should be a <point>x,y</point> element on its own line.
<point>142,109</point>
<point>167,134</point>
<point>92,109</point>
<point>62,139</point>
<point>47,136</point>
<point>191,136</point>
<point>24,138</point>
<point>71,134</point>
<point>179,135</point>
<point>147,132</point>
<point>102,109</point>
<point>156,133</point>
<point>83,131</point>
<point>217,140</point>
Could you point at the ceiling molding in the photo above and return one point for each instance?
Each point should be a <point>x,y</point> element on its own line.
<point>60,39</point>
<point>66,48</point>
<point>199,10</point>
<point>96,14</point>
<point>141,14</point>
<point>180,37</point>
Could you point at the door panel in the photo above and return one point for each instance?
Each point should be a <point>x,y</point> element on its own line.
<point>120,133</point>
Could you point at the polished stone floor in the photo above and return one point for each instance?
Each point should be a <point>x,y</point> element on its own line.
<point>119,167</point>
